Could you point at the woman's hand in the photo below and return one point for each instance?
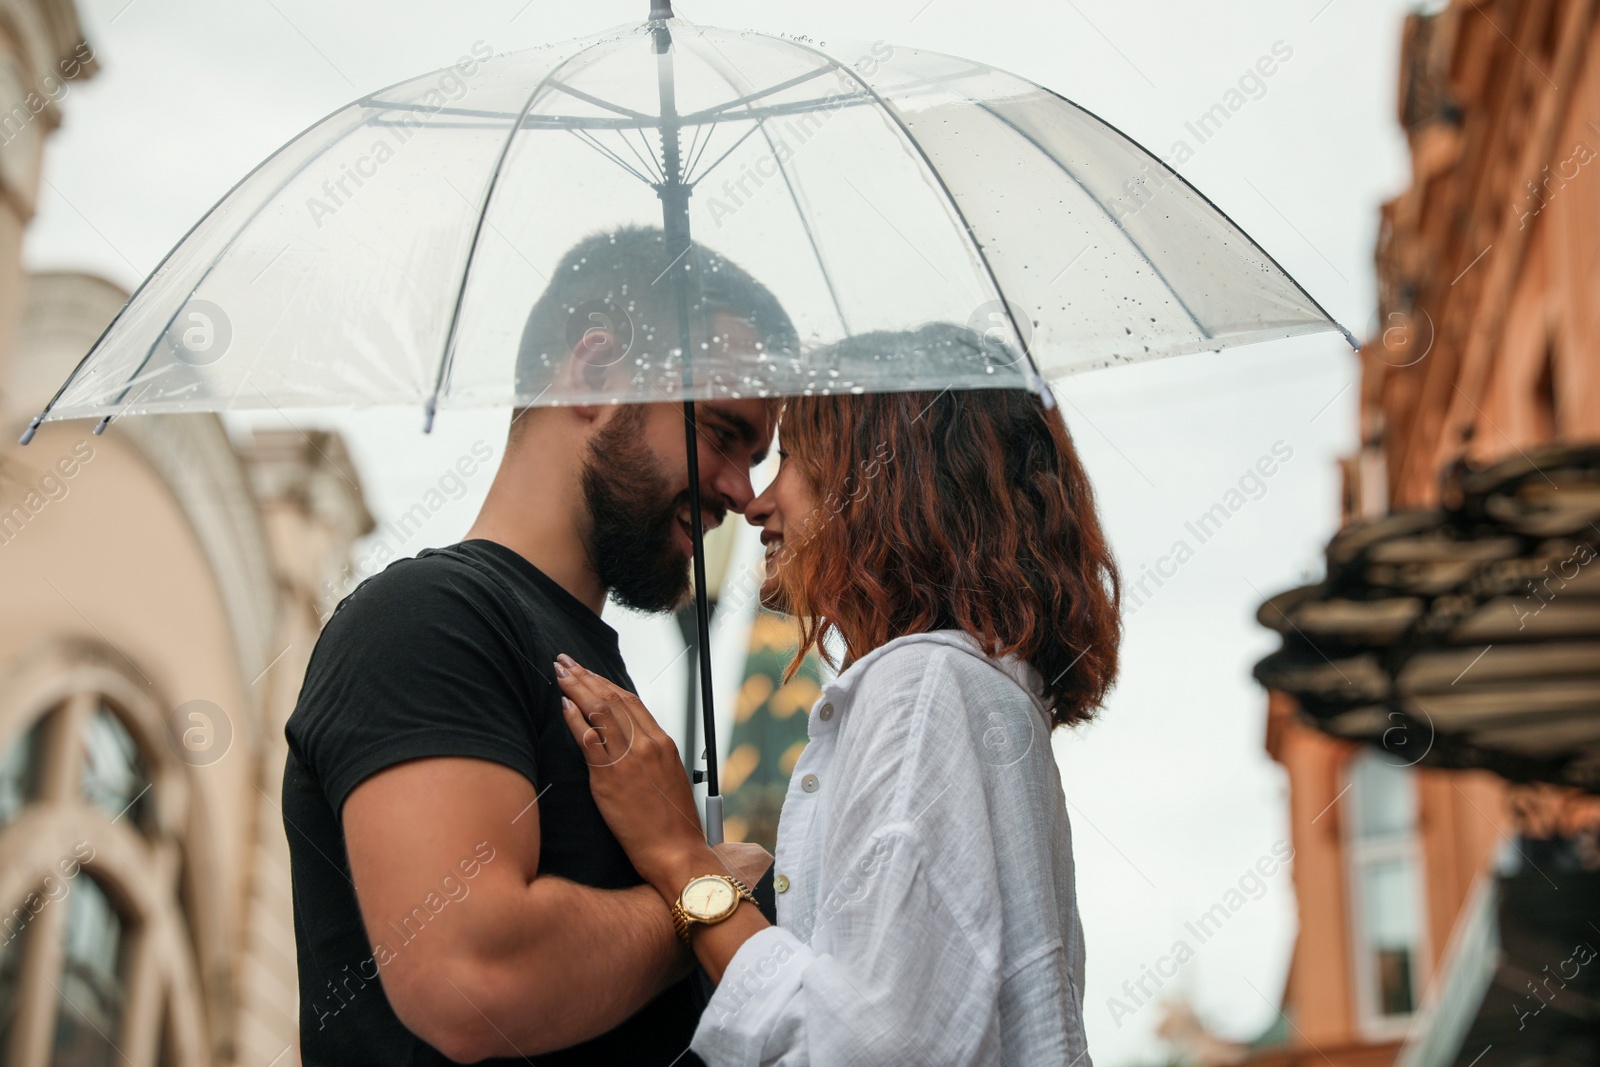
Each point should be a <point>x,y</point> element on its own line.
<point>637,779</point>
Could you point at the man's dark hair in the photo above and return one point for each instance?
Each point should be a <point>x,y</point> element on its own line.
<point>622,281</point>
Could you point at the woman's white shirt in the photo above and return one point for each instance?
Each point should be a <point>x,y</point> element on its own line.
<point>927,912</point>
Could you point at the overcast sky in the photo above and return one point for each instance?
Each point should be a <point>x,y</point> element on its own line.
<point>1172,796</point>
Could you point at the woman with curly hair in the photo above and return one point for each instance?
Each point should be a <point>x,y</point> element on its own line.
<point>944,550</point>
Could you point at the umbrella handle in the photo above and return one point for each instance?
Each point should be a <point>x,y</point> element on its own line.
<point>714,820</point>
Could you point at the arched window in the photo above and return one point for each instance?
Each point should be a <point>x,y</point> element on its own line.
<point>92,987</point>
<point>1385,891</point>
<point>114,778</point>
<point>19,773</point>
<point>96,965</point>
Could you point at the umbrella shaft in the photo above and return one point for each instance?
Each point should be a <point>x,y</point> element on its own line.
<point>675,229</point>
<point>702,600</point>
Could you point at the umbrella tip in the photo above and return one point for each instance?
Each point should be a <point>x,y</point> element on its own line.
<point>660,9</point>
<point>33,428</point>
<point>427,415</point>
<point>1349,337</point>
<point>100,427</point>
<point>714,819</point>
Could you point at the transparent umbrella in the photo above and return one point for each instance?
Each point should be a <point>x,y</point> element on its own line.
<point>467,238</point>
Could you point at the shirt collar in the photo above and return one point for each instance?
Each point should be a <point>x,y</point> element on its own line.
<point>1020,671</point>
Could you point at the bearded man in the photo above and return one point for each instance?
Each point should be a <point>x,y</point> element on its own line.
<point>457,895</point>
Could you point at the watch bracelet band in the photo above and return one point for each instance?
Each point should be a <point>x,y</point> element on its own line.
<point>682,921</point>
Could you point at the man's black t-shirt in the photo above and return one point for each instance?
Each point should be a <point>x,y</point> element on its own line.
<point>447,654</point>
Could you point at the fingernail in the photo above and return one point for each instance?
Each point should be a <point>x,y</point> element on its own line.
<point>567,661</point>
<point>562,672</point>
<point>568,705</point>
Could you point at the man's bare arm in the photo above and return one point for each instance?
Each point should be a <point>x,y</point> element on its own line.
<point>506,960</point>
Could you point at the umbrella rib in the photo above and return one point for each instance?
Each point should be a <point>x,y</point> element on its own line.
<point>1032,141</point>
<point>598,102</point>
<point>794,196</point>
<point>600,122</point>
<point>640,120</point>
<point>950,202</point>
<point>696,147</point>
<point>742,139</point>
<point>212,266</point>
<point>590,140</point>
<point>61,390</point>
<point>39,418</point>
<point>646,158</point>
<point>469,112</point>
<point>704,145</point>
<point>445,357</point>
<point>402,124</point>
<point>584,122</point>
<point>748,98</point>
<point>509,242</point>
<point>1349,337</point>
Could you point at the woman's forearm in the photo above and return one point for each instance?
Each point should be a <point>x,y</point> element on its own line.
<point>713,945</point>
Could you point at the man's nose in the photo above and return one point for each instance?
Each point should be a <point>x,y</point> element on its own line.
<point>730,482</point>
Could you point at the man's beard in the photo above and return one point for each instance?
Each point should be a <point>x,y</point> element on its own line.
<point>635,515</point>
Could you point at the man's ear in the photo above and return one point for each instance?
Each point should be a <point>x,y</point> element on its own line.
<point>595,351</point>
<point>588,365</point>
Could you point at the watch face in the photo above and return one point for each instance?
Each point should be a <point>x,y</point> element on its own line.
<point>709,898</point>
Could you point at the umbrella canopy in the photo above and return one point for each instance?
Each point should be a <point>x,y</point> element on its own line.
<point>670,212</point>
<point>391,253</point>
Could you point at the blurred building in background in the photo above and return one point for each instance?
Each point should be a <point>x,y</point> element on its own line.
<point>1436,701</point>
<point>162,588</point>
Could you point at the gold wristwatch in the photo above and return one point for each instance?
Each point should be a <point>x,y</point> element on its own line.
<point>708,899</point>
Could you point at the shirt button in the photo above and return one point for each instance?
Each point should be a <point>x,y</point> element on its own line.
<point>826,713</point>
<point>809,783</point>
<point>781,883</point>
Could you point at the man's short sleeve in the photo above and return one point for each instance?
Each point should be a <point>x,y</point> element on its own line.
<point>423,660</point>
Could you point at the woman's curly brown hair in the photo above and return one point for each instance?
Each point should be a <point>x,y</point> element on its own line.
<point>966,509</point>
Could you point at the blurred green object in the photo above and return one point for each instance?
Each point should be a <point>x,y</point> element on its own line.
<point>769,730</point>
